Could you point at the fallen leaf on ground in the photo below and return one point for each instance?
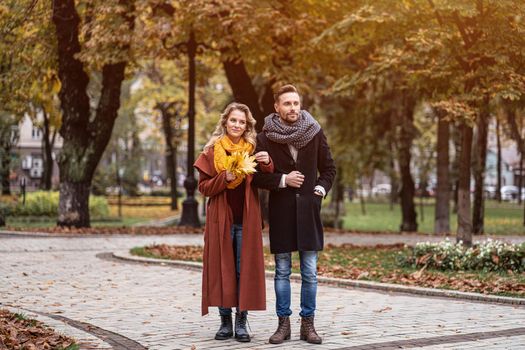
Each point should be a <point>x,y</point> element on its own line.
<point>388,308</point>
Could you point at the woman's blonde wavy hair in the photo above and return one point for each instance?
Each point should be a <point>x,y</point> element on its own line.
<point>249,134</point>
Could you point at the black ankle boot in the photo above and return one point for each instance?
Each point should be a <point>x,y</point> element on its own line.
<point>226,330</point>
<point>241,333</point>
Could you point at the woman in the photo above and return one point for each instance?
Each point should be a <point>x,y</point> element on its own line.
<point>233,263</point>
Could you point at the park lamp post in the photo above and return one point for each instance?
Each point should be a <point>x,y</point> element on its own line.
<point>190,214</point>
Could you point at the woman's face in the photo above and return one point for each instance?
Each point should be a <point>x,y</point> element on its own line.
<point>236,124</point>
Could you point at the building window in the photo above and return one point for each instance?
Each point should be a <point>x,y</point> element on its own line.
<point>27,162</point>
<point>36,133</point>
<point>38,162</point>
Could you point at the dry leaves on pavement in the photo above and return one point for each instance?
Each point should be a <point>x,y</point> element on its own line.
<point>18,332</point>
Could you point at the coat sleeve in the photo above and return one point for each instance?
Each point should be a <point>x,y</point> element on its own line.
<point>262,179</point>
<point>267,168</point>
<point>210,186</point>
<point>325,164</point>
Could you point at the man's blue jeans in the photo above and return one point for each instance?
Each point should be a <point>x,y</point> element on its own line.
<point>236,234</point>
<point>283,269</point>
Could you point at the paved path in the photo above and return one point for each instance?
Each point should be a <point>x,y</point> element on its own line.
<point>157,307</point>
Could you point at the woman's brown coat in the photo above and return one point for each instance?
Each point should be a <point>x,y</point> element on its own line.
<point>219,283</point>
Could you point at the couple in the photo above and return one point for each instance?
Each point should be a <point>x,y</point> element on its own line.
<point>295,164</point>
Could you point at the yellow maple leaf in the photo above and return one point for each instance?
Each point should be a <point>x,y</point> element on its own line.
<point>240,163</point>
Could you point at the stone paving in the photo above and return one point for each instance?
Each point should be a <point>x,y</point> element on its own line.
<point>158,306</point>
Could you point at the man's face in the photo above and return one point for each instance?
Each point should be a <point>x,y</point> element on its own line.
<point>288,106</point>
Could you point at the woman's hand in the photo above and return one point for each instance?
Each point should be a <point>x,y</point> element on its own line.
<point>262,157</point>
<point>229,176</point>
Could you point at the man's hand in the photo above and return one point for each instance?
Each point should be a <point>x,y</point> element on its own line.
<point>294,179</point>
<point>262,157</point>
<point>229,176</point>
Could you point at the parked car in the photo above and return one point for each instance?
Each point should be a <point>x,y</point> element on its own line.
<point>381,189</point>
<point>490,192</point>
<point>509,193</point>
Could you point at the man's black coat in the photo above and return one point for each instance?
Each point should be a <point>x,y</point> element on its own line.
<point>295,213</point>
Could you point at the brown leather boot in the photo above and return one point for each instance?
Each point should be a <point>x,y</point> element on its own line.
<point>283,331</point>
<point>308,332</point>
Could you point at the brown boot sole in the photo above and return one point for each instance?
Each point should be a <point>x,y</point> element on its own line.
<point>279,342</point>
<point>320,341</point>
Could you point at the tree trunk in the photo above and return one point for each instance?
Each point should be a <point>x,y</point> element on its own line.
<point>498,144</point>
<point>394,193</point>
<point>171,151</point>
<point>362,197</point>
<point>442,210</point>
<point>371,180</point>
<point>409,215</point>
<point>84,139</point>
<point>520,182</point>
<point>514,128</point>
<point>454,169</point>
<point>74,204</point>
<point>337,200</point>
<point>4,171</point>
<point>267,101</point>
<point>47,145</point>
<point>479,170</point>
<point>524,215</point>
<point>243,89</point>
<point>516,135</point>
<point>8,139</point>
<point>423,186</point>
<point>464,219</point>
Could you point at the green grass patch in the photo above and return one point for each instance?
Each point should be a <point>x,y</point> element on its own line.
<point>500,218</point>
<point>142,251</point>
<point>24,317</point>
<point>70,347</point>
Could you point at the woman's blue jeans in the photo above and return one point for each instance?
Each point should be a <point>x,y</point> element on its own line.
<point>283,269</point>
<point>236,234</point>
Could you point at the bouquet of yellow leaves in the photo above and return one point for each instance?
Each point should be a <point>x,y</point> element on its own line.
<point>240,164</point>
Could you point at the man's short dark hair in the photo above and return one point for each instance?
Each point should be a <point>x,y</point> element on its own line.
<point>283,90</point>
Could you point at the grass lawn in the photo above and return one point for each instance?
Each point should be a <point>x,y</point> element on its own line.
<point>144,212</point>
<point>374,264</point>
<point>500,218</point>
<point>134,210</point>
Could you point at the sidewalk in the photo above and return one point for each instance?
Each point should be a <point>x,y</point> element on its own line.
<point>137,306</point>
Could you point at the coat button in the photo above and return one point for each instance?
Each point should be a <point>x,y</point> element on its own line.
<point>297,195</point>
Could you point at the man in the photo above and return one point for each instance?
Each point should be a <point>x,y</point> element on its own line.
<point>304,172</point>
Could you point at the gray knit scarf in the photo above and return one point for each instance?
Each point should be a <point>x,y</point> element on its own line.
<point>297,134</point>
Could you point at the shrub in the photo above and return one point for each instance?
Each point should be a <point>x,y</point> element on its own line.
<point>98,207</point>
<point>5,209</point>
<point>43,203</point>
<point>164,192</point>
<point>39,203</point>
<point>489,255</point>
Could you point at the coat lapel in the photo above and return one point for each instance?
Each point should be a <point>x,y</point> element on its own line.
<point>285,149</point>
